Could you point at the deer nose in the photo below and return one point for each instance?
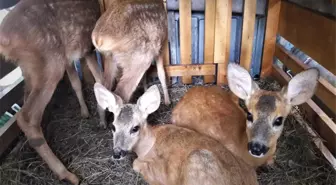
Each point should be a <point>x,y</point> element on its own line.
<point>118,153</point>
<point>257,149</point>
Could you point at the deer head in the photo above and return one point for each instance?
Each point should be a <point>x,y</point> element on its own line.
<point>129,119</point>
<point>267,110</point>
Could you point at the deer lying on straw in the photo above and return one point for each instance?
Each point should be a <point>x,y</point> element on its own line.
<point>252,135</point>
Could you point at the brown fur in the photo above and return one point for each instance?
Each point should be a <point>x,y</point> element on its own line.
<point>216,113</point>
<point>43,37</point>
<point>181,156</point>
<point>130,35</point>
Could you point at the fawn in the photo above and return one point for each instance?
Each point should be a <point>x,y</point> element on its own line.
<point>130,35</point>
<point>43,37</point>
<point>253,135</point>
<point>168,154</point>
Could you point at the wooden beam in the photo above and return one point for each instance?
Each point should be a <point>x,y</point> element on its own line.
<point>166,58</point>
<point>325,127</point>
<point>185,36</point>
<point>248,34</point>
<point>209,40</point>
<point>102,6</point>
<point>325,91</point>
<point>222,37</point>
<point>186,70</point>
<point>8,133</point>
<point>312,33</point>
<point>270,36</point>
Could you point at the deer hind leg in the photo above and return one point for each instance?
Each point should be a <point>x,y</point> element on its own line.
<point>162,78</point>
<point>77,86</point>
<point>131,77</point>
<point>94,68</point>
<point>30,117</point>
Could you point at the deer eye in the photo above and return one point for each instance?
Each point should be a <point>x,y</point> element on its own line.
<point>135,129</point>
<point>249,117</point>
<point>278,122</point>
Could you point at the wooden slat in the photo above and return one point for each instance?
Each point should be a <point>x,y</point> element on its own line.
<point>312,33</point>
<point>325,91</point>
<point>8,134</point>
<point>166,60</point>
<point>185,35</point>
<point>222,37</point>
<point>209,38</point>
<point>248,33</point>
<point>325,127</point>
<point>186,70</point>
<point>270,36</point>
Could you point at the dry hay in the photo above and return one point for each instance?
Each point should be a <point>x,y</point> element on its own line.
<point>86,150</point>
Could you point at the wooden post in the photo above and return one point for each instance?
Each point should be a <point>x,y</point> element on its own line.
<point>248,33</point>
<point>222,37</point>
<point>209,38</point>
<point>270,36</point>
<point>185,35</point>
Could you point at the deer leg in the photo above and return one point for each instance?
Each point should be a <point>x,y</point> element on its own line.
<point>94,68</point>
<point>77,86</point>
<point>130,79</point>
<point>162,78</point>
<point>30,117</point>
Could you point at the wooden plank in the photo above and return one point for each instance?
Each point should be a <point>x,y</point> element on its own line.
<point>222,37</point>
<point>166,59</point>
<point>325,91</point>
<point>209,40</point>
<point>248,33</point>
<point>312,33</point>
<point>186,70</point>
<point>270,36</point>
<point>185,36</point>
<point>325,127</point>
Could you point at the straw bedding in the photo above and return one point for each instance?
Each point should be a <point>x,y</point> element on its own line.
<point>86,150</point>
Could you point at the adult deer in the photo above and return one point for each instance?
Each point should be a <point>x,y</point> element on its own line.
<point>168,154</point>
<point>43,37</point>
<point>130,35</point>
<point>253,135</point>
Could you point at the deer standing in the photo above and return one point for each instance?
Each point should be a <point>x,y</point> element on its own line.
<point>253,135</point>
<point>130,35</point>
<point>43,37</point>
<point>168,154</point>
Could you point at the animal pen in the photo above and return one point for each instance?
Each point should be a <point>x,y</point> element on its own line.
<point>204,36</point>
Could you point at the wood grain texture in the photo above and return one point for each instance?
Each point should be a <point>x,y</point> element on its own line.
<point>186,70</point>
<point>222,37</point>
<point>248,33</point>
<point>312,33</point>
<point>270,36</point>
<point>324,126</point>
<point>209,38</point>
<point>185,35</point>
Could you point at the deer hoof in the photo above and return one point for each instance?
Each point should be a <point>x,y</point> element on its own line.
<point>102,125</point>
<point>72,178</point>
<point>85,113</point>
<point>167,102</point>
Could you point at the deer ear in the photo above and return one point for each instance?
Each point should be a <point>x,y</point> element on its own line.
<point>302,86</point>
<point>107,99</point>
<point>150,101</point>
<point>240,81</point>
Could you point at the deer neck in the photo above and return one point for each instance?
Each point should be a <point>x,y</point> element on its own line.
<point>146,141</point>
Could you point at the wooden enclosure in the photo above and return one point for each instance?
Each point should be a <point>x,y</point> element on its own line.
<point>310,31</point>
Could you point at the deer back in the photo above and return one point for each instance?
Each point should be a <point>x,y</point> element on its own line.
<point>48,27</point>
